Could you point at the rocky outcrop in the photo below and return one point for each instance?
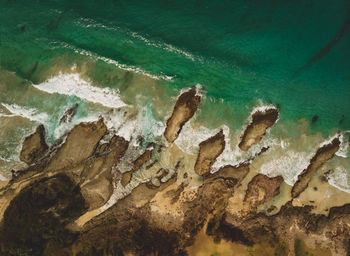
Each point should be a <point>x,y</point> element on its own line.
<point>262,189</point>
<point>322,155</point>
<point>125,228</point>
<point>80,144</point>
<point>209,150</point>
<point>69,114</point>
<point>185,107</point>
<point>96,179</point>
<point>34,146</point>
<point>261,120</point>
<point>70,201</point>
<point>237,173</point>
<point>140,161</point>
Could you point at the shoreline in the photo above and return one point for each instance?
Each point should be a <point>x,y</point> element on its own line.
<point>113,169</point>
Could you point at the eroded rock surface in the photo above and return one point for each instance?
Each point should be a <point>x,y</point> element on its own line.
<point>80,144</point>
<point>185,107</point>
<point>96,179</point>
<point>262,189</point>
<point>260,122</point>
<point>209,150</point>
<point>74,200</point>
<point>141,160</point>
<point>322,155</point>
<point>34,146</point>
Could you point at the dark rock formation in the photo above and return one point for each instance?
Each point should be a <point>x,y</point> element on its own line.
<point>262,189</point>
<point>209,150</point>
<point>261,121</point>
<point>34,146</point>
<point>141,160</point>
<point>80,144</point>
<point>185,107</point>
<point>322,155</point>
<point>34,223</point>
<point>69,114</point>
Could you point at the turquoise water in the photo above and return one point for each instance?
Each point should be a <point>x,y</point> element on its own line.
<point>241,52</point>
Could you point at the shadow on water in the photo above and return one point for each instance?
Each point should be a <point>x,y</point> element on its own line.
<point>325,50</point>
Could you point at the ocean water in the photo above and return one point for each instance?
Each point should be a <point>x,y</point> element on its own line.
<point>134,57</point>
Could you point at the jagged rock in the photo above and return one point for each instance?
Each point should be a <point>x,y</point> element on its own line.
<point>96,178</point>
<point>142,159</point>
<point>322,155</point>
<point>80,144</point>
<point>69,114</point>
<point>185,107</point>
<point>260,122</point>
<point>34,146</point>
<point>237,173</point>
<point>262,189</point>
<point>209,150</point>
<point>161,217</point>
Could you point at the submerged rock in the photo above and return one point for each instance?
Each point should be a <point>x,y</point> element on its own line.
<point>34,146</point>
<point>209,150</point>
<point>69,114</point>
<point>185,107</point>
<point>314,118</point>
<point>261,120</point>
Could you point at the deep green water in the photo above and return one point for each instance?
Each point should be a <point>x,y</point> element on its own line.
<point>294,54</point>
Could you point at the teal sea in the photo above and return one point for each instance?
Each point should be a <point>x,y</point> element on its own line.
<point>243,54</point>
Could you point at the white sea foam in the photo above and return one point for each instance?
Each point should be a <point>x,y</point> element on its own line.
<point>262,108</point>
<point>157,44</point>
<point>330,139</point>
<point>165,46</point>
<point>290,163</point>
<point>26,112</point>
<point>344,145</point>
<point>289,166</point>
<point>234,156</point>
<point>73,84</point>
<point>115,63</point>
<point>189,138</point>
<point>63,128</point>
<point>340,179</point>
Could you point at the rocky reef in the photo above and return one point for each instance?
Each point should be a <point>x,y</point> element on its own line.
<point>34,146</point>
<point>185,107</point>
<point>86,195</point>
<point>261,120</point>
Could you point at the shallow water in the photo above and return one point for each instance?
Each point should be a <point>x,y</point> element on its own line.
<point>104,55</point>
